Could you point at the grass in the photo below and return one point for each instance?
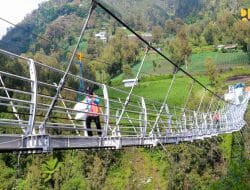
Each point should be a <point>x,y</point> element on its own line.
<point>157,89</point>
<point>162,67</point>
<point>236,72</point>
<point>136,175</point>
<point>226,145</point>
<point>222,60</point>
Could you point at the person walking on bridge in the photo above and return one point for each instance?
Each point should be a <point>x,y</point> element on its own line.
<point>94,111</point>
<point>217,120</point>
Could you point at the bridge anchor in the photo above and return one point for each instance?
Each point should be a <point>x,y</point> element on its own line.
<point>37,143</point>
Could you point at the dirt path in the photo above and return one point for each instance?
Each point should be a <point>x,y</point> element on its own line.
<point>240,78</point>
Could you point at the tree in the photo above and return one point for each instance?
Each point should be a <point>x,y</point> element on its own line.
<point>127,71</point>
<point>33,175</point>
<point>210,33</point>
<point>140,23</point>
<point>179,24</point>
<point>92,48</point>
<point>242,34</point>
<point>46,74</point>
<point>97,174</point>
<point>179,49</point>
<point>157,33</point>
<point>224,23</point>
<point>75,183</point>
<point>211,70</point>
<point>49,168</point>
<point>73,172</point>
<point>195,32</point>
<point>169,26</point>
<point>113,26</point>
<point>6,176</point>
<point>119,50</point>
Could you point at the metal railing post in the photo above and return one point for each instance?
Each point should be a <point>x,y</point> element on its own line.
<point>145,117</point>
<point>33,77</point>
<point>163,104</point>
<point>107,111</point>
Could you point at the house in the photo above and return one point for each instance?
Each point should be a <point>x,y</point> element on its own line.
<point>102,36</point>
<point>130,82</point>
<point>227,47</point>
<point>230,47</point>
<point>220,47</point>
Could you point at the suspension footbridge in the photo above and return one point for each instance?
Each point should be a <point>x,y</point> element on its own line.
<point>37,108</point>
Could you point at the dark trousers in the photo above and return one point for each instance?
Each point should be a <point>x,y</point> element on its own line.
<point>97,123</point>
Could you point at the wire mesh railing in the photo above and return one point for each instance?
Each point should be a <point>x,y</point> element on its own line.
<point>141,117</point>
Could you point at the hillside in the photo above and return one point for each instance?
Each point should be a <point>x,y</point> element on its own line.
<point>139,15</point>
<point>156,12</point>
<point>188,32</point>
<point>52,31</point>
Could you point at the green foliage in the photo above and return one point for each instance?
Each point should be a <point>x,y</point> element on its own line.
<point>126,69</point>
<point>75,183</point>
<point>118,52</point>
<point>199,50</point>
<point>49,168</point>
<point>242,33</point>
<point>19,39</point>
<point>15,67</point>
<point>223,61</point>
<point>136,175</point>
<point>210,33</point>
<point>179,49</point>
<point>236,178</point>
<point>157,33</point>
<point>6,176</point>
<point>238,171</point>
<point>33,175</point>
<point>211,71</point>
<point>98,174</point>
<point>226,146</point>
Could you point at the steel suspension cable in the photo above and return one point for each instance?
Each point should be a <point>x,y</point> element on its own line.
<point>62,81</point>
<point>163,103</point>
<point>210,104</point>
<point>188,96</point>
<point>131,90</point>
<point>201,101</point>
<point>155,49</point>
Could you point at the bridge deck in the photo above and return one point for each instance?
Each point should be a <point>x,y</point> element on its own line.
<point>10,142</point>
